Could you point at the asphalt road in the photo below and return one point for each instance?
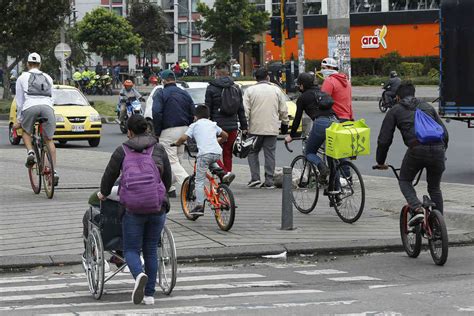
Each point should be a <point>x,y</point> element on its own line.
<point>459,164</point>
<point>373,284</point>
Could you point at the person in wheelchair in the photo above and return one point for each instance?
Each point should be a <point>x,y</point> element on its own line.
<point>145,177</point>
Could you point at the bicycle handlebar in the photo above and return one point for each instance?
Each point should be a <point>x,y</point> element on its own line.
<point>187,149</point>
<point>396,170</point>
<point>295,138</point>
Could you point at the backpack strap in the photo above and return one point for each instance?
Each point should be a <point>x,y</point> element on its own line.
<point>126,149</point>
<point>149,150</point>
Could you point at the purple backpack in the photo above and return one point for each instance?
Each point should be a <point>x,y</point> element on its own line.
<point>141,190</point>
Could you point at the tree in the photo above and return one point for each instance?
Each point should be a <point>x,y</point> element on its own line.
<point>232,24</point>
<point>108,34</point>
<point>25,26</point>
<point>148,21</point>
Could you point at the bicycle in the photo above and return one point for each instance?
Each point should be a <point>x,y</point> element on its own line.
<point>219,196</point>
<point>348,203</point>
<point>432,228</point>
<point>43,169</point>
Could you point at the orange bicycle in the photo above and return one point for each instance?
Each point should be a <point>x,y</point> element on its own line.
<point>219,196</point>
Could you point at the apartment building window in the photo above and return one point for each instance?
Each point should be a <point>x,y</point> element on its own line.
<point>118,10</point>
<point>182,51</point>
<point>170,48</point>
<point>259,4</point>
<point>196,48</point>
<point>311,7</point>
<point>400,5</point>
<point>290,7</point>
<point>194,29</point>
<point>183,30</point>
<point>194,4</point>
<point>361,6</point>
<point>183,8</point>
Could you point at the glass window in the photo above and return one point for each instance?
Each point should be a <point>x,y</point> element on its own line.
<point>361,6</point>
<point>183,29</point>
<point>259,4</point>
<point>194,4</point>
<point>117,1</point>
<point>399,5</point>
<point>197,94</point>
<point>68,97</point>
<point>168,4</point>
<point>170,48</point>
<point>290,7</point>
<point>194,29</point>
<point>118,10</point>
<point>182,8</point>
<point>182,51</point>
<point>310,7</point>
<point>196,50</point>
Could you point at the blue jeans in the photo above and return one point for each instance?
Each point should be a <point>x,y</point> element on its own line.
<point>203,163</point>
<point>142,232</point>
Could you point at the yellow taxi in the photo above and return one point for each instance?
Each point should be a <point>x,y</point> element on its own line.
<point>289,103</point>
<point>76,119</point>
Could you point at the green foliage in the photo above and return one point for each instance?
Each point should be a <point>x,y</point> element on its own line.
<point>411,69</point>
<point>108,34</point>
<point>391,61</point>
<point>232,24</point>
<point>148,21</point>
<point>5,106</point>
<point>433,73</point>
<point>104,108</point>
<point>377,80</point>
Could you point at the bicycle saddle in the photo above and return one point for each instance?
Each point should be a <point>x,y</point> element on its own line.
<point>215,169</point>
<point>41,119</point>
<point>427,202</point>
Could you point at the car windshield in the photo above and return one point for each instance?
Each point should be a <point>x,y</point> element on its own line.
<point>287,98</point>
<point>68,97</point>
<point>197,94</point>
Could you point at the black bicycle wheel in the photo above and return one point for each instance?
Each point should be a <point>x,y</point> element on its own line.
<point>225,214</point>
<point>47,172</point>
<point>34,172</point>
<point>438,241</point>
<point>382,106</point>
<point>349,204</point>
<point>188,197</point>
<point>305,190</point>
<point>411,235</point>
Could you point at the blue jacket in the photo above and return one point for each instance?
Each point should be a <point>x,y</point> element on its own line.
<point>172,107</point>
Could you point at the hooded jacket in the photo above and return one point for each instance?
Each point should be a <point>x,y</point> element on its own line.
<point>340,89</point>
<point>213,101</point>
<point>402,116</point>
<point>137,143</point>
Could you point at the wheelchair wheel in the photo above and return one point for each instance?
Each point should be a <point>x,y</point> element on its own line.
<point>167,265</point>
<point>94,263</point>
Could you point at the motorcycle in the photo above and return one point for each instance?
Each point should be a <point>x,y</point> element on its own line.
<point>133,106</point>
<point>383,105</point>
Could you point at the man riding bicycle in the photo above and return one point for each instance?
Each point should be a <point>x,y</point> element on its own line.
<point>34,100</point>
<point>418,156</point>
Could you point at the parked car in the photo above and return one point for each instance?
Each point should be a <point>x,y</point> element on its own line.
<point>76,119</point>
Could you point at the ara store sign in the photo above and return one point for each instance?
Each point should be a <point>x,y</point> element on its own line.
<point>376,40</point>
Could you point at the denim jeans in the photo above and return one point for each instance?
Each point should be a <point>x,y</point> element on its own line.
<point>142,233</point>
<point>430,157</point>
<point>203,163</point>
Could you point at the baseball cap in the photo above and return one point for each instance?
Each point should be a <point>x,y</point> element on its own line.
<point>167,74</point>
<point>34,58</point>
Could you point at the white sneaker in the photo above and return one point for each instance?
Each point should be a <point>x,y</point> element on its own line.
<point>148,300</point>
<point>106,267</point>
<point>139,289</point>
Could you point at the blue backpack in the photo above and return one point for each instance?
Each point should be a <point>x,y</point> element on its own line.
<point>427,130</point>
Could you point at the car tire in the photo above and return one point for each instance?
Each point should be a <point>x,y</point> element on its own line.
<point>62,142</point>
<point>13,140</point>
<point>94,142</point>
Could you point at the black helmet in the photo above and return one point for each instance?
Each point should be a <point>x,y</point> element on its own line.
<point>393,74</point>
<point>306,79</point>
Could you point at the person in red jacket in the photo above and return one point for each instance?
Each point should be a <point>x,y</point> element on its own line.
<point>339,88</point>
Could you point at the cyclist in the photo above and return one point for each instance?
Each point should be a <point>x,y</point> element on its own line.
<point>391,86</point>
<point>127,91</point>
<point>418,156</point>
<point>209,152</point>
<point>34,100</point>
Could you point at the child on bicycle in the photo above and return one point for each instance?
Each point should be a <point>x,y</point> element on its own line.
<point>206,134</point>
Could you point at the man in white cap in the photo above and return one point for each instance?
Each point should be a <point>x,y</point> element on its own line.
<point>34,100</point>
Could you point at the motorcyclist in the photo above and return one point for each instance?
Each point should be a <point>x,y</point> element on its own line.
<point>128,91</point>
<point>391,87</point>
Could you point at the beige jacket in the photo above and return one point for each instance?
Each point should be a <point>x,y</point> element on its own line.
<point>265,108</point>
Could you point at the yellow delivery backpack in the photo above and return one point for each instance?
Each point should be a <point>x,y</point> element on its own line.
<point>348,139</point>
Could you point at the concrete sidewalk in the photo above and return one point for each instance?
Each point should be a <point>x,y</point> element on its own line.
<point>37,231</point>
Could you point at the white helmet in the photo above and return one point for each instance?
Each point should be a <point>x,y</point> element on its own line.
<point>34,58</point>
<point>329,62</point>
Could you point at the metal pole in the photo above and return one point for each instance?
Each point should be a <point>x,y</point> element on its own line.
<point>339,34</point>
<point>299,18</point>
<point>282,15</point>
<point>63,59</point>
<point>287,204</point>
<point>190,33</point>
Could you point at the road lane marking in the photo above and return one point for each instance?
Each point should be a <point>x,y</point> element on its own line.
<point>381,286</point>
<point>165,299</point>
<point>354,278</point>
<point>320,272</point>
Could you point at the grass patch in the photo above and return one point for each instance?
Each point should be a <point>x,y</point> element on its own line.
<point>105,108</point>
<point>377,80</point>
<point>5,106</point>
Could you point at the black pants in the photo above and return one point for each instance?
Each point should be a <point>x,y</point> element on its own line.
<point>389,96</point>
<point>430,157</point>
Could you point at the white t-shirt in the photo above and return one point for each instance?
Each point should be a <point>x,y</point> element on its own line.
<point>25,101</point>
<point>205,133</point>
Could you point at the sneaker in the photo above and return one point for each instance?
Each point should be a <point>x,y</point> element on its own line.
<point>30,159</point>
<point>172,194</point>
<point>139,289</point>
<point>323,170</point>
<point>228,178</point>
<point>417,217</point>
<point>336,201</point>
<point>267,186</point>
<point>148,300</point>
<point>253,183</point>
<point>198,210</point>
<point>56,178</point>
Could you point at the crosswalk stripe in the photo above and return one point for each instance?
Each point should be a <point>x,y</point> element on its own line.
<point>381,286</point>
<point>165,299</point>
<point>204,309</point>
<point>354,278</point>
<point>320,272</point>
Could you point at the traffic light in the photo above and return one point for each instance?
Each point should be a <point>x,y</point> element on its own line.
<point>275,30</point>
<point>291,25</point>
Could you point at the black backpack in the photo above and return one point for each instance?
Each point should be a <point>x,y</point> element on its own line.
<point>323,100</point>
<point>231,99</point>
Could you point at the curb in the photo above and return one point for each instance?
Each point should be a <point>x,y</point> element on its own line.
<point>242,252</point>
<point>373,98</point>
